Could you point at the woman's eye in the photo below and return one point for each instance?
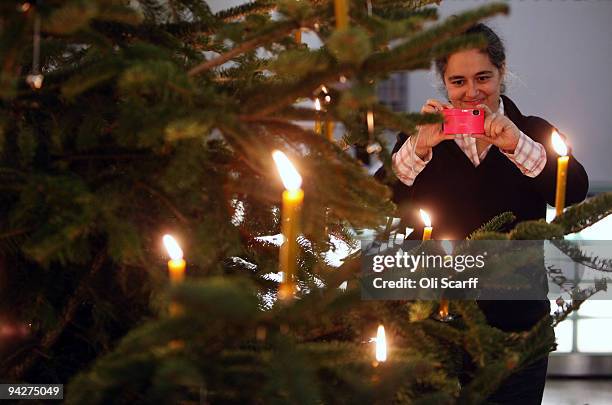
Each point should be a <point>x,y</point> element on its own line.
<point>483,78</point>
<point>457,82</point>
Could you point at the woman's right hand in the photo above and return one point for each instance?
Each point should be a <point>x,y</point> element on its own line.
<point>431,134</point>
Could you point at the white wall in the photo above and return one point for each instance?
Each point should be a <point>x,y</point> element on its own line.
<point>560,52</point>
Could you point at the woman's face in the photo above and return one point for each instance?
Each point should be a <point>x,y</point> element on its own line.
<point>471,79</point>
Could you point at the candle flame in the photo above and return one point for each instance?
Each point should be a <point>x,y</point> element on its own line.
<point>447,245</point>
<point>35,80</point>
<point>381,344</point>
<point>425,217</point>
<point>558,144</point>
<point>289,175</point>
<point>370,119</point>
<point>324,89</point>
<point>174,250</point>
<point>317,104</point>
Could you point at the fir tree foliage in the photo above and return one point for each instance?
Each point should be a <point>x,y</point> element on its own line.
<point>160,116</point>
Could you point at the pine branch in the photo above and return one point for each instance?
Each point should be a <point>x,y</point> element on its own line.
<point>406,13</point>
<point>580,216</point>
<point>573,251</point>
<point>422,42</point>
<point>276,32</point>
<point>405,122</point>
<point>494,225</point>
<point>536,230</point>
<point>18,371</point>
<point>255,7</point>
<point>11,241</point>
<point>271,98</point>
<point>291,114</point>
<point>164,200</point>
<point>14,232</point>
<point>567,311</point>
<point>406,4</point>
<point>180,28</point>
<point>514,352</point>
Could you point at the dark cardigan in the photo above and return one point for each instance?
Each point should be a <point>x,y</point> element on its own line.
<point>460,198</point>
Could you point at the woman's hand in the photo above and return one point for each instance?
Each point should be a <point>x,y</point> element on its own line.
<point>499,130</point>
<point>431,134</point>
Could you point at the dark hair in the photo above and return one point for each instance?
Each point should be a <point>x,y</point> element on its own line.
<point>494,49</point>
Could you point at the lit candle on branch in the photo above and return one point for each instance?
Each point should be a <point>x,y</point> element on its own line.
<point>381,344</point>
<point>35,78</point>
<point>341,10</point>
<point>329,124</point>
<point>427,230</point>
<point>373,146</point>
<point>290,223</point>
<point>443,314</point>
<point>325,128</point>
<point>562,162</point>
<point>329,130</point>
<point>176,268</point>
<point>176,264</point>
<point>370,121</point>
<point>317,125</point>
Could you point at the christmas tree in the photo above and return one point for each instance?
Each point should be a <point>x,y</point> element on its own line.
<point>122,121</point>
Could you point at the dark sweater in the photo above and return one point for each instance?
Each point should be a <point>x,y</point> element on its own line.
<point>460,198</point>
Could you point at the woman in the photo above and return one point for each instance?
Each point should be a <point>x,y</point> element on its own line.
<point>463,181</point>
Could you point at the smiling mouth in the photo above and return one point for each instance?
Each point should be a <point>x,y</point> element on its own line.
<point>474,102</point>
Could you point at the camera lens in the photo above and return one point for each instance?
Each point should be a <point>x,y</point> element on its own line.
<point>475,112</point>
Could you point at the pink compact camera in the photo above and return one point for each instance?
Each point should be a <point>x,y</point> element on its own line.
<point>459,121</point>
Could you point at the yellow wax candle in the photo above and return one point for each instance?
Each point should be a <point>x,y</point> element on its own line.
<point>428,229</point>
<point>317,125</point>
<point>176,264</point>
<point>341,11</point>
<point>176,268</point>
<point>290,223</point>
<point>298,36</point>
<point>443,310</point>
<point>370,122</point>
<point>447,245</point>
<point>562,162</point>
<point>329,130</point>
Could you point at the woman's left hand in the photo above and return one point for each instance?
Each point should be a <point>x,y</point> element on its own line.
<point>499,130</point>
